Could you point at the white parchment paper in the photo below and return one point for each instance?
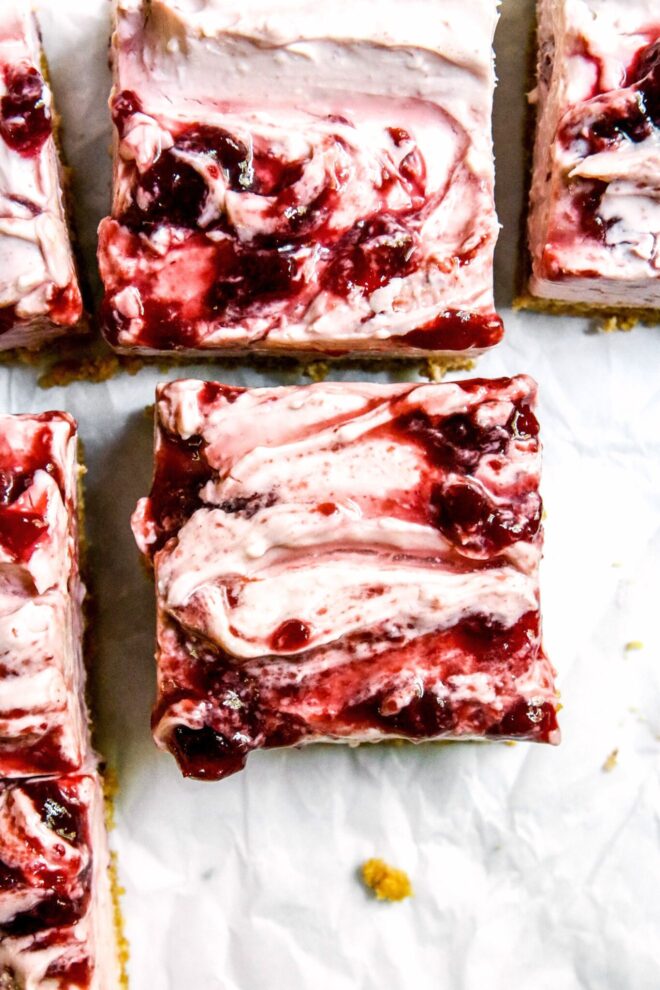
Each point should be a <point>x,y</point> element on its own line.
<point>533,868</point>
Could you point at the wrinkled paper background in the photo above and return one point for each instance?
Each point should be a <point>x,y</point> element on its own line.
<point>533,868</point>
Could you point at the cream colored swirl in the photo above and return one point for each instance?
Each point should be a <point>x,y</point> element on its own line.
<point>323,542</point>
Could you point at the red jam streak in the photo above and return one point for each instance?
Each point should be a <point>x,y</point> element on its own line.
<point>42,756</point>
<point>605,122</point>
<point>21,532</point>
<point>244,717</point>
<point>248,712</point>
<point>22,527</point>
<point>462,511</point>
<point>456,330</point>
<point>246,278</point>
<point>181,471</point>
<point>25,120</point>
<point>76,973</point>
<point>56,907</point>
<point>65,305</point>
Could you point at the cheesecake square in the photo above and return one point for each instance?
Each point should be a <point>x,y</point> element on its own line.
<point>345,562</point>
<point>57,917</point>
<point>39,292</point>
<point>292,179</point>
<point>43,719</point>
<point>594,222</point>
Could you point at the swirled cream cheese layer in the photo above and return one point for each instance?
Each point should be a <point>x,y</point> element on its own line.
<point>346,562</point>
<point>290,179</point>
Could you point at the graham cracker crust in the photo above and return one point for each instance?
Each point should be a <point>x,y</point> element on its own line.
<point>610,318</point>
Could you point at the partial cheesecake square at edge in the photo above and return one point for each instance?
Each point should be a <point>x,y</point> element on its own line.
<point>345,562</point>
<point>338,201</point>
<point>43,717</point>
<point>40,297</point>
<point>594,224</point>
<point>57,916</point>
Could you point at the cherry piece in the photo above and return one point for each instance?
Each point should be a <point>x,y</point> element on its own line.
<point>181,471</point>
<point>25,120</point>
<point>125,105</point>
<point>231,154</point>
<point>290,636</point>
<point>371,254</point>
<point>205,754</point>
<point>469,519</point>
<point>20,532</point>
<point>57,810</point>
<point>526,720</point>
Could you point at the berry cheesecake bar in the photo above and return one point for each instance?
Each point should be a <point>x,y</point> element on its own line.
<point>56,912</point>
<point>594,225</point>
<point>39,294</point>
<point>293,178</point>
<point>345,562</point>
<point>43,720</point>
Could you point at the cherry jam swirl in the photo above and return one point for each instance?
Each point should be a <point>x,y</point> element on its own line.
<point>265,273</point>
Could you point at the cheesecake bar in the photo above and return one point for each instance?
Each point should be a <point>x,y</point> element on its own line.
<point>43,720</point>
<point>39,293</point>
<point>57,929</point>
<point>295,179</point>
<point>594,225</point>
<point>345,562</point>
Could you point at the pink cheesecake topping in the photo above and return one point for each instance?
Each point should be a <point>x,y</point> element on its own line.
<point>334,194</point>
<point>346,562</point>
<point>56,919</point>
<point>595,220</point>
<point>43,724</point>
<point>39,294</point>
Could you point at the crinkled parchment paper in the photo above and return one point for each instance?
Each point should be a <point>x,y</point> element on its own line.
<point>533,868</point>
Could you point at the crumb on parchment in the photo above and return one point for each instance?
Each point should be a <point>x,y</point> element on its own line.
<point>611,761</point>
<point>612,324</point>
<point>387,883</point>
<point>317,371</point>
<point>435,369</point>
<point>633,645</point>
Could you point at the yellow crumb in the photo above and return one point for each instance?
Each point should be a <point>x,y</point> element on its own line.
<point>621,322</point>
<point>117,893</point>
<point>634,644</point>
<point>435,369</point>
<point>387,883</point>
<point>317,371</point>
<point>110,792</point>
<point>611,761</point>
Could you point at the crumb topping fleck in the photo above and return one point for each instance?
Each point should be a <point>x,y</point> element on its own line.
<point>387,883</point>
